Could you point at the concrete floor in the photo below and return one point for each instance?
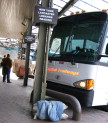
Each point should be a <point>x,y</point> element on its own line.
<point>15,106</point>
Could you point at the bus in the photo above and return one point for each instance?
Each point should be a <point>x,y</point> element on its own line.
<point>78,58</point>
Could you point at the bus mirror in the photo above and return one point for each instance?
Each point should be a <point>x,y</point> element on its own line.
<point>106,51</point>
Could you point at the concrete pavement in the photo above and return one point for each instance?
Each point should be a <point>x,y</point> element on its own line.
<point>15,106</point>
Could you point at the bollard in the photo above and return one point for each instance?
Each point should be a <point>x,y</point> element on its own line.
<point>76,107</point>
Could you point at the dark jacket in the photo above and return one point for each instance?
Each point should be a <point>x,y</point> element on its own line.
<point>8,62</point>
<point>3,64</point>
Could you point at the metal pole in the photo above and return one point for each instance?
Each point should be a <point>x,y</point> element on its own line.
<point>40,63</point>
<point>44,84</point>
<point>27,55</point>
<point>68,99</point>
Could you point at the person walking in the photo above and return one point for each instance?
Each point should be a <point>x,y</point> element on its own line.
<point>7,68</point>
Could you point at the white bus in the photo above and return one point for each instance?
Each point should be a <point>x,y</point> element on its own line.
<point>78,58</point>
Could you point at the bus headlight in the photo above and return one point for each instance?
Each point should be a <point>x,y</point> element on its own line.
<point>85,84</point>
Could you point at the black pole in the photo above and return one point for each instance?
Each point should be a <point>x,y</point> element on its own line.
<point>27,55</point>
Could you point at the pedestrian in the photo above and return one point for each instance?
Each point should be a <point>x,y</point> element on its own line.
<point>3,64</point>
<point>7,69</point>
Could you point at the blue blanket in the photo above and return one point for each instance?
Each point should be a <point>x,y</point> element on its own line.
<point>51,110</point>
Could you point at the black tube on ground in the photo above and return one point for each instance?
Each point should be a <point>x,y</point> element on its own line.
<point>76,107</point>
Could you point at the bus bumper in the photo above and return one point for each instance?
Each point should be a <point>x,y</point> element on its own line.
<point>85,97</point>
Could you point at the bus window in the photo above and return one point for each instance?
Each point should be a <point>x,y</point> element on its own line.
<point>104,59</point>
<point>106,50</point>
<point>91,46</point>
<point>105,44</point>
<point>104,47</point>
<point>55,47</point>
<point>72,44</point>
<point>66,38</point>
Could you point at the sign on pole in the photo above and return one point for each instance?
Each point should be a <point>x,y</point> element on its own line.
<point>29,39</point>
<point>45,15</point>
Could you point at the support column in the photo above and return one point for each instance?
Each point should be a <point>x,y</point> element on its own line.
<point>27,55</point>
<point>41,63</point>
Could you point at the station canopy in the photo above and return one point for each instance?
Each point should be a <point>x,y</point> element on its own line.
<point>14,16</point>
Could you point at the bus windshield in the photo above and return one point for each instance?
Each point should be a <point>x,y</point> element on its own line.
<point>79,42</point>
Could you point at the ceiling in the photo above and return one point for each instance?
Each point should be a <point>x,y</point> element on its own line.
<point>78,5</point>
<point>12,14</point>
<point>15,12</point>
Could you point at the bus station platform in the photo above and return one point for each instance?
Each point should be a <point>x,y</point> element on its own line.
<point>15,105</point>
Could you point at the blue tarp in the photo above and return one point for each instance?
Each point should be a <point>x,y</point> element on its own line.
<point>51,110</point>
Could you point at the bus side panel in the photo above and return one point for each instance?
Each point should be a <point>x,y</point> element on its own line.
<point>101,87</point>
<point>62,75</point>
<point>67,74</point>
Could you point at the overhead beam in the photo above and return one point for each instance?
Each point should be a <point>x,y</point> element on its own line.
<point>66,7</point>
